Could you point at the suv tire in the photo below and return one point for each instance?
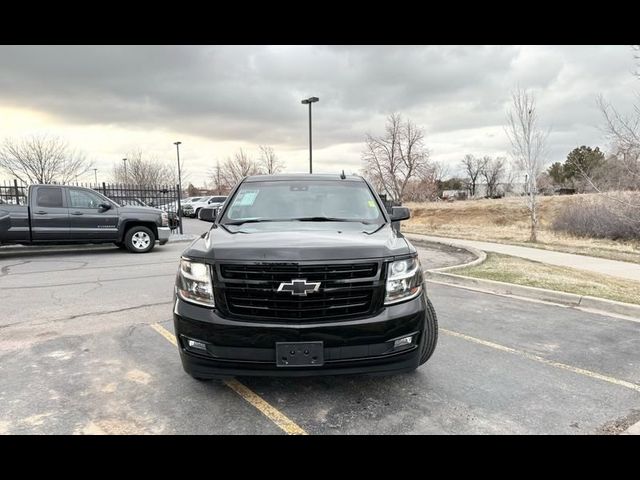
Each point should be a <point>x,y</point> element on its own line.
<point>429,334</point>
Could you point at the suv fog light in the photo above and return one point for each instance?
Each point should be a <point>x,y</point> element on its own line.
<point>401,342</point>
<point>196,345</point>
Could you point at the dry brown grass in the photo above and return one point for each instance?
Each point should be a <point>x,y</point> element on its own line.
<point>505,268</point>
<point>506,220</point>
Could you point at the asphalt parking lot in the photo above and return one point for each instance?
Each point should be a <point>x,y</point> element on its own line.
<point>85,347</point>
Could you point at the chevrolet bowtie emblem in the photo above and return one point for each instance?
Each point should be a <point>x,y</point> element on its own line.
<point>299,287</point>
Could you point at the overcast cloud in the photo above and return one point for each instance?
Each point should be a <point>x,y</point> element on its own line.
<point>108,100</point>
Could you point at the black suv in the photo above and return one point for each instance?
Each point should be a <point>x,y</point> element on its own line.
<point>302,275</point>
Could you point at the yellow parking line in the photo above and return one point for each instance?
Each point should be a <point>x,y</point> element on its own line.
<point>165,333</point>
<point>272,413</point>
<point>269,411</point>
<point>537,358</point>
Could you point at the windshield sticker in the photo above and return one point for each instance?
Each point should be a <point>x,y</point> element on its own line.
<point>372,204</point>
<point>246,198</point>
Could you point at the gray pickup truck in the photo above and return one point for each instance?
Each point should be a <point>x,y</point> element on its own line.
<point>65,215</point>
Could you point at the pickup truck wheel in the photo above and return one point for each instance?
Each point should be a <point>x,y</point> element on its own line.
<point>139,240</point>
<point>429,334</point>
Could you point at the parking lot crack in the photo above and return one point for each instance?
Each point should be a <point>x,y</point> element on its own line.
<point>87,314</point>
<point>4,271</point>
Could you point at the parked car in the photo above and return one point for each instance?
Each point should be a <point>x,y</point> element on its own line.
<point>64,214</point>
<point>174,221</point>
<point>302,275</point>
<point>187,210</point>
<point>210,202</point>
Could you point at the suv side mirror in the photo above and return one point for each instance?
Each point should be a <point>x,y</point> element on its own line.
<point>208,214</point>
<point>400,213</point>
<point>104,206</point>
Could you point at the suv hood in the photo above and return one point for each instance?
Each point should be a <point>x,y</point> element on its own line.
<point>297,245</point>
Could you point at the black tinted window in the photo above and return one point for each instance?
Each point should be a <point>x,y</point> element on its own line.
<point>218,199</point>
<point>49,197</point>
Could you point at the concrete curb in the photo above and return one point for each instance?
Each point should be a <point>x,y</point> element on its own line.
<point>553,296</point>
<point>479,254</point>
<point>503,288</point>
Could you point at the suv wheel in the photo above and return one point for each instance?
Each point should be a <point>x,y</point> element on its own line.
<point>429,334</point>
<point>139,240</point>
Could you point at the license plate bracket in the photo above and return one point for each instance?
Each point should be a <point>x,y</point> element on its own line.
<point>299,354</point>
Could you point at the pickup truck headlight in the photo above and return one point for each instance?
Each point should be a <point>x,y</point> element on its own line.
<point>404,280</point>
<point>194,284</point>
<point>165,219</point>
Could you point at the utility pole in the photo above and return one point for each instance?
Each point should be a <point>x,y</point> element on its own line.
<point>309,101</point>
<point>177,144</point>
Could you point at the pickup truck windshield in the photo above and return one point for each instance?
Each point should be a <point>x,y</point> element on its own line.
<point>305,201</point>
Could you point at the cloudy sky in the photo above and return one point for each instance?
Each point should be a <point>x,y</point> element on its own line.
<point>109,100</point>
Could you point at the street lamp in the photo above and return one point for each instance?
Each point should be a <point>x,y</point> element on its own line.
<point>126,177</point>
<point>95,174</point>
<point>309,101</point>
<point>177,144</point>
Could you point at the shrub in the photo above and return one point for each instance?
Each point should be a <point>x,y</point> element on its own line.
<point>615,216</point>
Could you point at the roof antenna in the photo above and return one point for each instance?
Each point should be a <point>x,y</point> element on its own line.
<point>342,175</point>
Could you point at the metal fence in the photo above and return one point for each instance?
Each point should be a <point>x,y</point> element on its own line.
<point>14,192</point>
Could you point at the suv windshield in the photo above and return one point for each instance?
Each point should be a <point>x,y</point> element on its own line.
<point>308,200</point>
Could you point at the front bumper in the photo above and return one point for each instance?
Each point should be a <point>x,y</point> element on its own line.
<point>163,234</point>
<point>239,347</point>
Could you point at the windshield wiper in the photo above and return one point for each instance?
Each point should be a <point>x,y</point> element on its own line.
<point>251,220</point>
<point>298,219</point>
<point>330,219</point>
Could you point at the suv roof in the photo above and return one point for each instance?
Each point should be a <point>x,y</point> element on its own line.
<point>304,176</point>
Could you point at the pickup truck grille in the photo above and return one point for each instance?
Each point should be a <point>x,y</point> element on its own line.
<point>346,290</point>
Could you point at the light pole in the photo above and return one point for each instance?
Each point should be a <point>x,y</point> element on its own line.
<point>309,101</point>
<point>95,174</point>
<point>126,177</point>
<point>177,144</point>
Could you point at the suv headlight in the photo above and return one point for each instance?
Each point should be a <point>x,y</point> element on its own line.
<point>404,280</point>
<point>194,284</point>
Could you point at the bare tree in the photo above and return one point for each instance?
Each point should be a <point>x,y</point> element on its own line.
<point>473,167</point>
<point>622,169</point>
<point>624,133</point>
<point>528,141</point>
<point>492,172</point>
<point>236,168</point>
<point>426,187</point>
<point>42,159</point>
<point>219,186</point>
<point>440,171</point>
<point>143,171</point>
<point>393,159</point>
<point>269,162</point>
